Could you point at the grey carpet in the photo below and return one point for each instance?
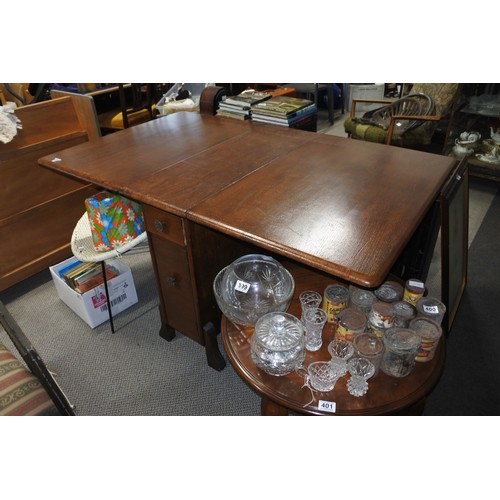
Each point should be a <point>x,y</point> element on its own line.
<point>131,372</point>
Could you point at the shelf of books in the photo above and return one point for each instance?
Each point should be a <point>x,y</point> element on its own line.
<point>261,106</point>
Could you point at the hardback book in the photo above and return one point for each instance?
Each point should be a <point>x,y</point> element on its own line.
<point>229,114</point>
<point>286,120</point>
<point>76,271</point>
<point>233,109</point>
<point>284,105</point>
<point>269,112</point>
<point>96,280</point>
<point>248,98</point>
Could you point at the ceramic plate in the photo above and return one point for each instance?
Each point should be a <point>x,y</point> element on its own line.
<point>489,159</point>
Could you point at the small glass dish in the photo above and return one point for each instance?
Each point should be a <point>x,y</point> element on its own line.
<point>278,343</point>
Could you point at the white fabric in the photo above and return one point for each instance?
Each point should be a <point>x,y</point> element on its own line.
<point>82,244</point>
<point>9,123</point>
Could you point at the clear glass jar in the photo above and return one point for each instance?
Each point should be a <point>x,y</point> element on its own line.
<point>382,315</point>
<point>404,312</point>
<point>430,332</point>
<point>401,346</point>
<point>278,343</point>
<point>431,308</point>
<point>370,347</point>
<point>362,300</point>
<point>390,291</point>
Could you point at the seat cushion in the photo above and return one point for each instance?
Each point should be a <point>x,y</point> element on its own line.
<point>114,120</point>
<point>20,391</point>
<point>420,136</point>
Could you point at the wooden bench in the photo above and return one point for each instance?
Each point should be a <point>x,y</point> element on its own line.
<point>39,208</point>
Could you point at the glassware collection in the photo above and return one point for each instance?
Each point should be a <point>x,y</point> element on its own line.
<point>389,329</point>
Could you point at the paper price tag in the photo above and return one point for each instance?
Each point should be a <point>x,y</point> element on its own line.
<point>416,284</point>
<point>431,309</point>
<point>329,406</point>
<point>242,286</point>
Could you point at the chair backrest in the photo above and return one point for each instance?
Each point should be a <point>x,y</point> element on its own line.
<point>445,96</point>
<point>137,97</point>
<point>442,94</point>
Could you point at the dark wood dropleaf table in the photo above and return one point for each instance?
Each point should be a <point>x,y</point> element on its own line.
<point>213,189</point>
<point>386,395</point>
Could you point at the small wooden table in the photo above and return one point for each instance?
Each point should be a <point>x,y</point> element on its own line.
<point>386,395</point>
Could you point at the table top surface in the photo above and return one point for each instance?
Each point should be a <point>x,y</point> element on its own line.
<point>345,207</point>
<point>385,394</point>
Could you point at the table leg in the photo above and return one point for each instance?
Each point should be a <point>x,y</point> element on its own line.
<point>269,408</point>
<point>166,331</point>
<point>214,356</point>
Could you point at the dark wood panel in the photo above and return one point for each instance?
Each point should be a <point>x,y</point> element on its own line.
<point>38,208</point>
<point>26,185</point>
<point>39,237</point>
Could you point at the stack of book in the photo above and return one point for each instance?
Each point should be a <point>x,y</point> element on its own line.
<point>240,106</point>
<point>283,110</point>
<point>85,276</point>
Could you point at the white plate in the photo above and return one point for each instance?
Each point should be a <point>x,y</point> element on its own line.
<point>489,159</point>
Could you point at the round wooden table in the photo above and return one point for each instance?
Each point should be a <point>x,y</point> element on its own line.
<point>386,395</point>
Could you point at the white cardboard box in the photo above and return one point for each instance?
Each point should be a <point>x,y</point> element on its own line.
<point>91,306</point>
<point>366,91</point>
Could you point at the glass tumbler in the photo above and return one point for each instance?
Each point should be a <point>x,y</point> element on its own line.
<point>314,322</point>
<point>340,351</point>
<point>309,300</point>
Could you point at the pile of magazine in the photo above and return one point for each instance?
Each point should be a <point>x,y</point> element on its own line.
<point>85,276</point>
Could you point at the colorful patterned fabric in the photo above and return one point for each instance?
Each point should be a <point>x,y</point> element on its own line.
<point>114,220</point>
<point>20,391</point>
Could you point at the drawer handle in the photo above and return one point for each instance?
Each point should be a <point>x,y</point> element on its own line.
<point>159,226</point>
<point>171,281</point>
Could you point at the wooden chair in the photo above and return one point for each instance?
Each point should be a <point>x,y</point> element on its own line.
<point>444,97</point>
<point>136,106</point>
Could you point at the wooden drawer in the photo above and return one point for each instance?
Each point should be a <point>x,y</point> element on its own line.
<point>176,287</point>
<point>164,225</point>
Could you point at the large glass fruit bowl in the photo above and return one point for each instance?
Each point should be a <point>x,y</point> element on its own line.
<point>252,286</point>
